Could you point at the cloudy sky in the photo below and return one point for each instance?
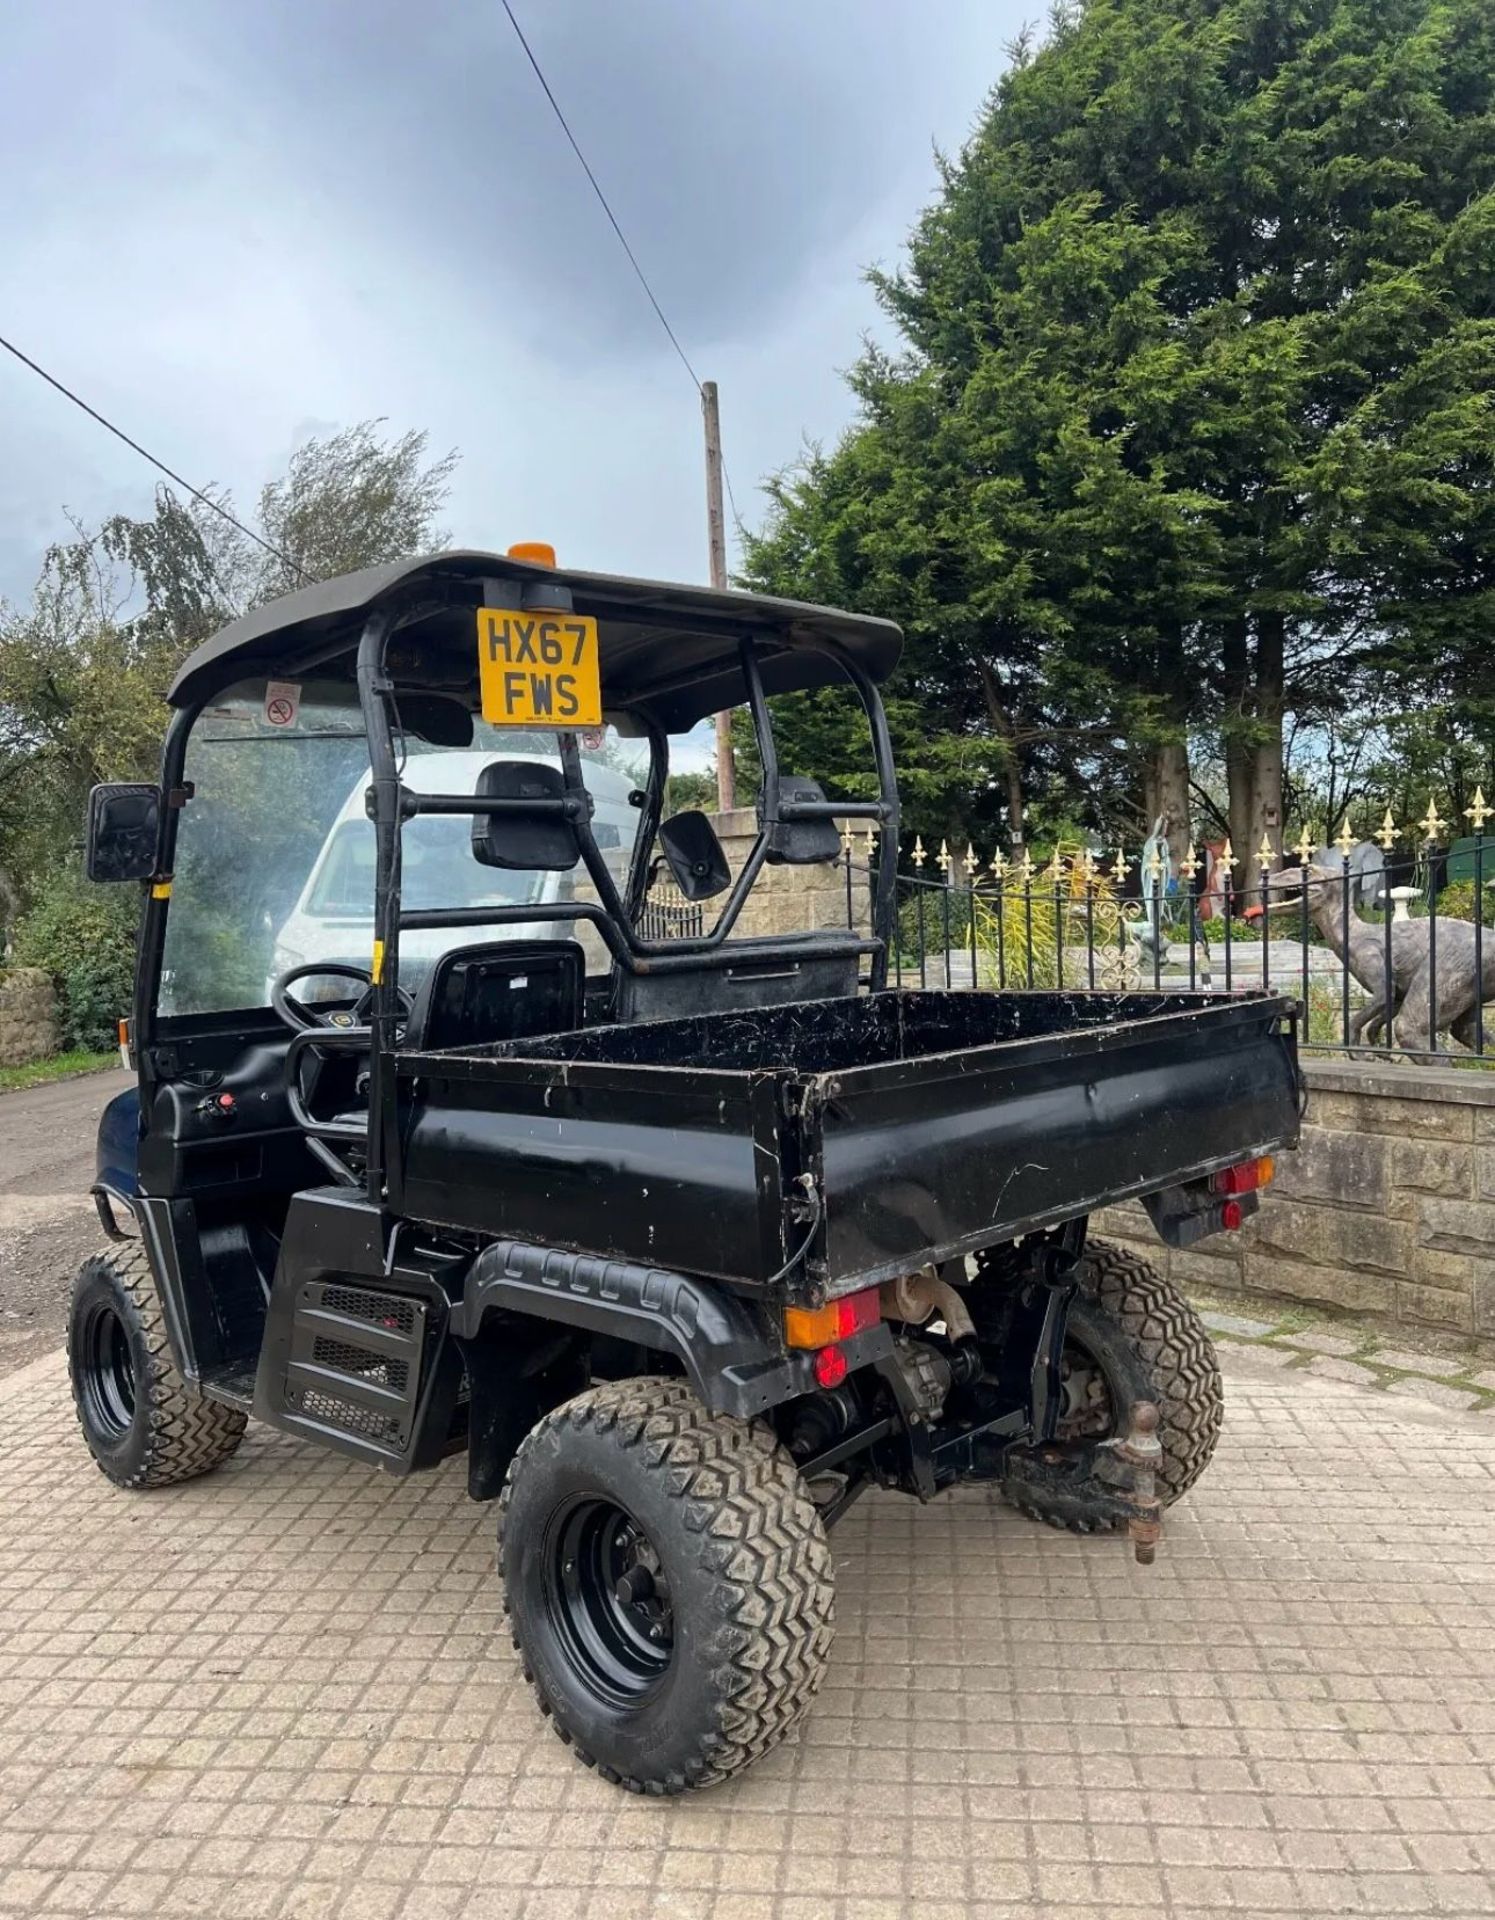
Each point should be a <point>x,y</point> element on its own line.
<point>232,225</point>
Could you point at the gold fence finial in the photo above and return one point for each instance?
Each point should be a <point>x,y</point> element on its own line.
<point>1344,839</point>
<point>1479,813</point>
<point>1388,832</point>
<point>919,856</point>
<point>1430,823</point>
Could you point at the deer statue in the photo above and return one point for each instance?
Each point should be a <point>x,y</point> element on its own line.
<point>1362,947</point>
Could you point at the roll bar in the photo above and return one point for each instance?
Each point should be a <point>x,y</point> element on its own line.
<point>614,914</point>
<point>391,804</point>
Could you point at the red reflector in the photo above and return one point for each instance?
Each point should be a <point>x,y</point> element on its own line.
<point>1231,1215</point>
<point>830,1367</point>
<point>1245,1178</point>
<point>855,1312</point>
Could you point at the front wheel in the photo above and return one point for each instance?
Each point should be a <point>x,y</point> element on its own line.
<point>1131,1336</point>
<point>143,1423</point>
<point>668,1584</point>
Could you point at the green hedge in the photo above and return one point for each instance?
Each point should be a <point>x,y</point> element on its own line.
<point>84,936</point>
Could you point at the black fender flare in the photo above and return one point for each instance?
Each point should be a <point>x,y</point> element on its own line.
<point>732,1349</point>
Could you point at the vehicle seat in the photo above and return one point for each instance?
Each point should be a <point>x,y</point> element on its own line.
<point>502,990</point>
<point>765,970</point>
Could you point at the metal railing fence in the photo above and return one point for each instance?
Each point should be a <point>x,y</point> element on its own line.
<point>1388,943</point>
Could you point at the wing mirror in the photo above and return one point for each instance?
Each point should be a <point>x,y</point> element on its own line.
<point>695,855</point>
<point>532,833</point>
<point>123,824</point>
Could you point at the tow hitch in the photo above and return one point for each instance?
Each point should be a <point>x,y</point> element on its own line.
<point>1139,1450</point>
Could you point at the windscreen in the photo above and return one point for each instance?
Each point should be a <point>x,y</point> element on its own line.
<point>275,851</point>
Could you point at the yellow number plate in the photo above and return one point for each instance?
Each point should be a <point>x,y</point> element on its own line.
<point>538,669</point>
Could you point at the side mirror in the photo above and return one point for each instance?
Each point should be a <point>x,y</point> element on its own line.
<point>695,855</point>
<point>123,824</point>
<point>532,834</point>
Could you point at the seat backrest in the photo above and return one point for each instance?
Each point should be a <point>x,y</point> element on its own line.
<point>759,972</point>
<point>502,990</point>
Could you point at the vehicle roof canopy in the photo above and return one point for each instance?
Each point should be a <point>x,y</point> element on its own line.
<point>668,652</point>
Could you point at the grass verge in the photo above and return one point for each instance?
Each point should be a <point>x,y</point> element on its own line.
<point>61,1066</point>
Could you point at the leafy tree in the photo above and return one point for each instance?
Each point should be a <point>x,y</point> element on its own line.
<point>1193,409</point>
<point>85,667</point>
<point>348,502</point>
<point>687,792</point>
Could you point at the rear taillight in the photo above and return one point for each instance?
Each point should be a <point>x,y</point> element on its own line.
<point>1245,1178</point>
<point>836,1320</point>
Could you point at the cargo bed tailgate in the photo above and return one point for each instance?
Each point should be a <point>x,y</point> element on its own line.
<point>934,1157</point>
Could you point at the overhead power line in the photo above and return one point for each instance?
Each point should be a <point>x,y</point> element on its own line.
<point>612,220</point>
<point>160,465</point>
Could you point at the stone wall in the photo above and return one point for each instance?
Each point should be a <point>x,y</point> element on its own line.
<point>783,899</point>
<point>1388,1207</point>
<point>28,1017</point>
<point>789,899</point>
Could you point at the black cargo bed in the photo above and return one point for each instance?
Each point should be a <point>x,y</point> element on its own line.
<point>932,1124</point>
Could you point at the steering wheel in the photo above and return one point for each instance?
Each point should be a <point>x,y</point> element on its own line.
<point>301,1018</point>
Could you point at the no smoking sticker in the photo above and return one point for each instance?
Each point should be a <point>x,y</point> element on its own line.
<point>282,702</point>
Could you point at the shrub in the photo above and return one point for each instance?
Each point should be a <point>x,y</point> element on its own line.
<point>1456,902</point>
<point>84,937</point>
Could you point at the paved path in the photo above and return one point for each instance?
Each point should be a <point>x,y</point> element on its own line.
<point>284,1691</point>
<point>47,1221</point>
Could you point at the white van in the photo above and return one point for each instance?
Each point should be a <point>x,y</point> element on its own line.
<point>333,919</point>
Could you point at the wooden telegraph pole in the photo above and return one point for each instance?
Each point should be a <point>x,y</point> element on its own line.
<point>716,535</point>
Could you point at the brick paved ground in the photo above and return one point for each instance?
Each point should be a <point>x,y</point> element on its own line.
<point>282,1691</point>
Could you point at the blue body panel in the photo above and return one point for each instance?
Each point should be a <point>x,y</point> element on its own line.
<point>119,1144</point>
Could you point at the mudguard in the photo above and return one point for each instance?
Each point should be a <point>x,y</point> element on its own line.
<point>118,1155</point>
<point>732,1352</point>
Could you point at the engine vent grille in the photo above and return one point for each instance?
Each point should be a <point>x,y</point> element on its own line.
<point>357,1356</point>
<point>379,1309</point>
<point>351,1419</point>
<point>377,1368</point>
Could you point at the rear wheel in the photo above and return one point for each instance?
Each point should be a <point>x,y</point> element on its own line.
<point>668,1584</point>
<point>142,1422</point>
<point>1131,1336</point>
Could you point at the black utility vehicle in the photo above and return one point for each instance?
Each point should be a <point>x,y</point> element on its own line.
<point>684,1251</point>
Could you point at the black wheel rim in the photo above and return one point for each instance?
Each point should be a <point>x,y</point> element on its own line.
<point>609,1600</point>
<point>107,1375</point>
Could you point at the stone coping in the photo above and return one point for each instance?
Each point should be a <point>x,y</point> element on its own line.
<point>1467,1087</point>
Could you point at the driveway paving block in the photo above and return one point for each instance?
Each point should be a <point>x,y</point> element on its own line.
<point>285,1690</point>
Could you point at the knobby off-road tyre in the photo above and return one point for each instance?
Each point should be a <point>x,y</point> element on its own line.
<point>143,1424</point>
<point>1131,1336</point>
<point>668,1584</point>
